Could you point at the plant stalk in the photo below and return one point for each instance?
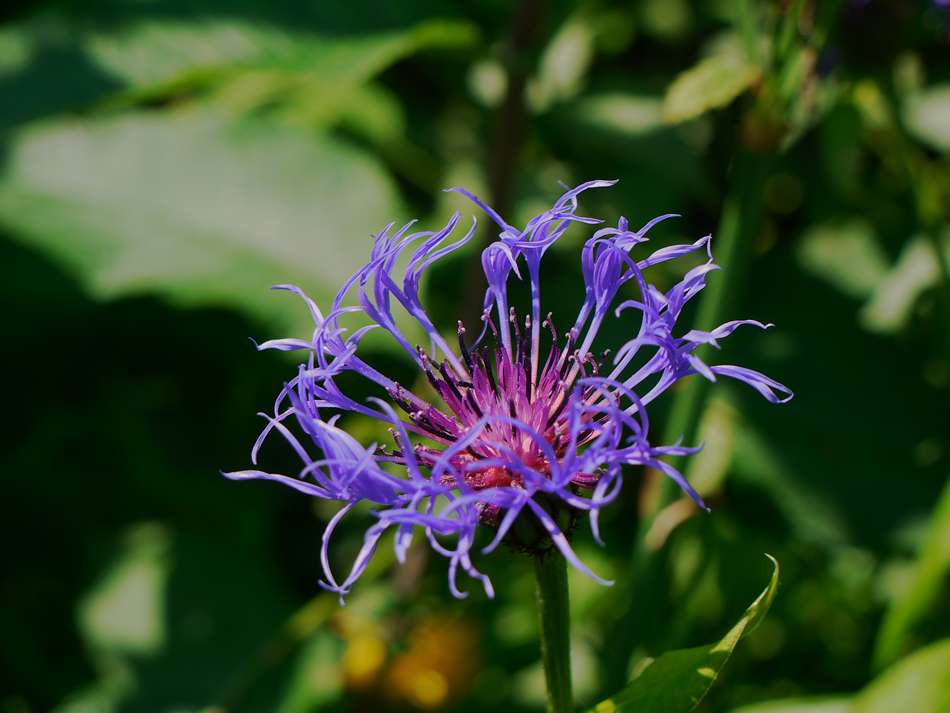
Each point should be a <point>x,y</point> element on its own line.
<point>646,598</point>
<point>554,604</point>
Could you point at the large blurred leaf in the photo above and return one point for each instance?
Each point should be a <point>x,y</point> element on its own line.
<point>846,255</point>
<point>837,704</point>
<point>53,63</point>
<point>918,683</point>
<point>621,112</point>
<point>916,270</point>
<point>14,50</point>
<point>196,207</point>
<point>318,676</point>
<point>563,66</point>
<point>125,612</point>
<point>918,594</point>
<point>711,84</point>
<point>677,681</point>
<point>158,51</point>
<point>926,114</point>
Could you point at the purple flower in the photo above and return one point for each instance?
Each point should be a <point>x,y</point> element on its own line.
<point>530,430</point>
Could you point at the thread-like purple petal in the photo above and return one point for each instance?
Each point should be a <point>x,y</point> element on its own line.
<point>510,428</point>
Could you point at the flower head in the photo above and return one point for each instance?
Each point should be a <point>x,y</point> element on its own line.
<point>522,438</point>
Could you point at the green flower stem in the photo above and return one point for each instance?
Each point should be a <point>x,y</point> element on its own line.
<point>554,603</point>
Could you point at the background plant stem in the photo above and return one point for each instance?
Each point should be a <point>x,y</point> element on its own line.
<point>507,139</point>
<point>554,604</point>
<point>732,246</point>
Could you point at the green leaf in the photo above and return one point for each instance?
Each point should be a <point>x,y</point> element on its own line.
<point>15,50</point>
<point>822,704</point>
<point>711,84</point>
<point>125,611</point>
<point>317,678</point>
<point>916,270</point>
<point>196,207</point>
<point>919,594</point>
<point>161,51</point>
<point>846,255</point>
<point>622,113</point>
<point>563,66</point>
<point>677,681</point>
<point>302,78</point>
<point>926,115</point>
<point>918,683</point>
<point>108,64</point>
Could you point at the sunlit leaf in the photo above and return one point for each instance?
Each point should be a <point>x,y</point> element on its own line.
<point>926,115</point>
<point>318,675</point>
<point>15,50</point>
<point>667,20</point>
<point>919,594</point>
<point>158,51</point>
<point>918,683</point>
<point>847,256</point>
<point>622,113</point>
<point>917,269</point>
<point>197,208</point>
<point>251,63</point>
<point>562,69</point>
<point>707,470</point>
<point>713,83</point>
<point>677,681</point>
<point>824,704</point>
<point>125,610</point>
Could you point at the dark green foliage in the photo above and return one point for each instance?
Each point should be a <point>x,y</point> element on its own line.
<point>162,163</point>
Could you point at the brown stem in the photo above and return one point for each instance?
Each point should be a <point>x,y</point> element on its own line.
<point>506,142</point>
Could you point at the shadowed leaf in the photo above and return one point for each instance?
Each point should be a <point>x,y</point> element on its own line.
<point>677,681</point>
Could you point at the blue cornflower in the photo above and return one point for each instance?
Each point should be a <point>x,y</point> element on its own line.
<point>519,440</point>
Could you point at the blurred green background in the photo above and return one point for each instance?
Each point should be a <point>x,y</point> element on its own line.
<point>163,162</point>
